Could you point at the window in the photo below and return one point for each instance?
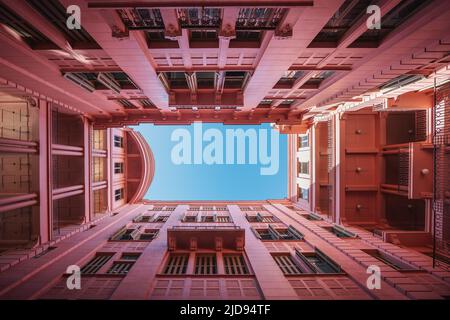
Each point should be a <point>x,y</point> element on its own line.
<point>98,138</point>
<point>389,260</point>
<point>148,234</point>
<point>96,263</point>
<point>288,234</point>
<point>235,264</point>
<point>130,256</point>
<point>118,167</point>
<point>98,169</point>
<point>266,218</point>
<point>272,233</point>
<point>303,141</point>
<point>118,194</point>
<point>118,141</point>
<point>303,167</point>
<point>207,218</point>
<point>143,219</point>
<point>176,264</point>
<point>303,193</point>
<point>120,267</point>
<point>126,234</point>
<point>340,232</point>
<point>312,217</point>
<point>287,264</point>
<point>318,262</point>
<point>223,219</point>
<point>206,264</point>
<point>161,219</point>
<point>190,218</point>
<point>261,218</point>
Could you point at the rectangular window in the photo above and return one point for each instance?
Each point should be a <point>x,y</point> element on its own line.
<point>206,264</point>
<point>263,234</point>
<point>303,141</point>
<point>340,232</point>
<point>251,218</point>
<point>235,264</point>
<point>161,219</point>
<point>318,262</point>
<point>266,218</point>
<point>190,218</point>
<point>96,263</point>
<point>126,234</point>
<point>303,167</point>
<point>118,167</point>
<point>98,169</point>
<point>176,264</point>
<point>289,233</point>
<point>118,141</point>
<point>98,138</point>
<point>287,264</point>
<point>118,194</point>
<point>222,219</point>
<point>120,267</point>
<point>303,193</point>
<point>312,217</point>
<point>131,256</point>
<point>145,218</point>
<point>148,234</point>
<point>389,260</point>
<point>272,233</point>
<point>207,218</point>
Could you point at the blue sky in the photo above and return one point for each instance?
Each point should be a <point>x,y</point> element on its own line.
<point>216,181</point>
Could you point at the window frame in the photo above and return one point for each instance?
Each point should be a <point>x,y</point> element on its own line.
<point>118,167</point>
<point>118,141</point>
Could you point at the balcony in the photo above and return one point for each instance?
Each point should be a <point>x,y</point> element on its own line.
<point>205,237</point>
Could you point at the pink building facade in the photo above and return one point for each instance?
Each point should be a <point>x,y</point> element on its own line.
<point>367,118</point>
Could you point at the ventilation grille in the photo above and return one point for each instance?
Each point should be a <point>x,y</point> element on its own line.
<point>403,169</point>
<point>441,140</point>
<point>421,125</point>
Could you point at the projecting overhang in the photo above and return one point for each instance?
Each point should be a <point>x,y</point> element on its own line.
<point>213,237</point>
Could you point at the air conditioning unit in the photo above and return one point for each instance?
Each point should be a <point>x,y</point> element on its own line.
<point>80,81</point>
<point>108,81</point>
